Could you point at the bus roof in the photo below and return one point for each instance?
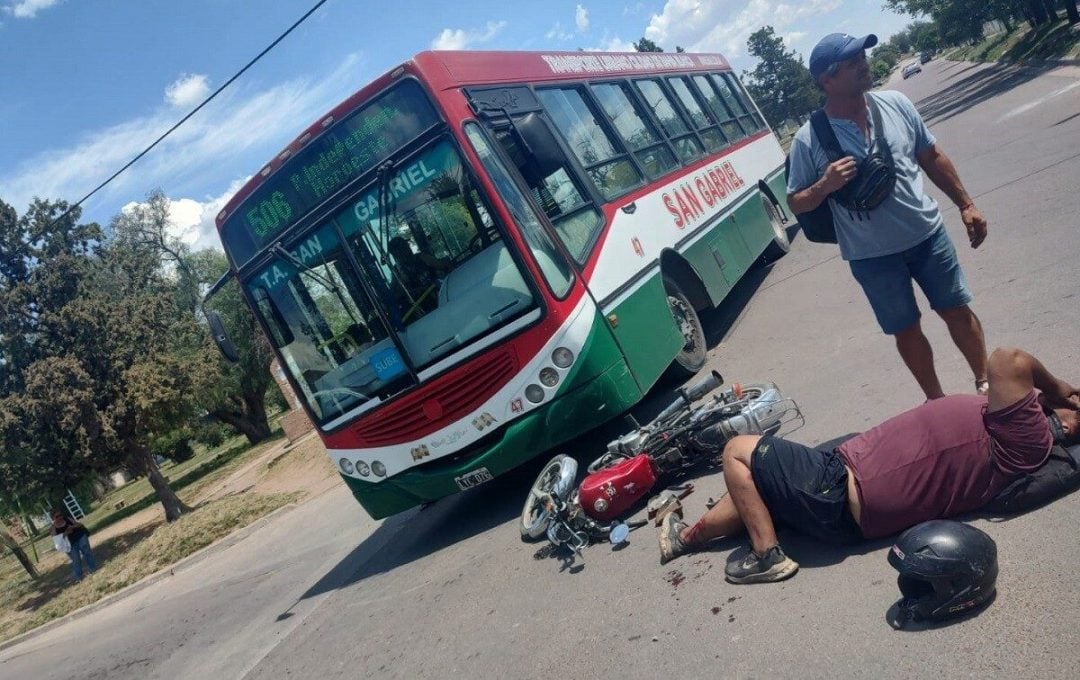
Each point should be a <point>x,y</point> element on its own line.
<point>462,68</point>
<point>449,69</point>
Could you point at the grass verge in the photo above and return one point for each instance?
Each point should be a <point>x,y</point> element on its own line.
<point>26,604</point>
<point>1058,40</point>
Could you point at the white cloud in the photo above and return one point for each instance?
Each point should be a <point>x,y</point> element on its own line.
<point>187,91</point>
<point>792,37</point>
<point>459,38</point>
<point>615,44</point>
<point>192,221</point>
<point>581,19</point>
<point>557,32</point>
<point>28,9</point>
<point>725,26</point>
<point>237,122</point>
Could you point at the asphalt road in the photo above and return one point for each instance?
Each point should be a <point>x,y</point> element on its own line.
<point>449,591</point>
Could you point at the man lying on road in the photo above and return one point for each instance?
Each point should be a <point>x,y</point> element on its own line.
<point>944,458</point>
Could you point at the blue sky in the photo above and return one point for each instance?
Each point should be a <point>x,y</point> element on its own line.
<point>87,85</point>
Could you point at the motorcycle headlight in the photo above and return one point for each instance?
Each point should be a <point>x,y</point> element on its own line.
<point>378,468</point>
<point>346,466</point>
<point>363,469</point>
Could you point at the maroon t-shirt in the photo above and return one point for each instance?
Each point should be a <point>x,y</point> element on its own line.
<point>943,458</point>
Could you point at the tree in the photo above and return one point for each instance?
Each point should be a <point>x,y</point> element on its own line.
<point>95,360</point>
<point>234,395</point>
<point>780,83</point>
<point>646,45</point>
<point>16,550</point>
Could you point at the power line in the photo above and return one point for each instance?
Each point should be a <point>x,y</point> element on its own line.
<point>206,101</point>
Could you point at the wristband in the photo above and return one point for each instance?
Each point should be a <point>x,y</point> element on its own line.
<point>969,204</point>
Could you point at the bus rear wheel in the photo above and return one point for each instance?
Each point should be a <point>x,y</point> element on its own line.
<point>691,358</point>
<point>781,244</point>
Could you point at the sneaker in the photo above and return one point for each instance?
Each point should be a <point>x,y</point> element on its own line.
<point>982,387</point>
<point>774,565</point>
<point>671,545</point>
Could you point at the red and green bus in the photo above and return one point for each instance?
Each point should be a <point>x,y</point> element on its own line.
<point>481,255</point>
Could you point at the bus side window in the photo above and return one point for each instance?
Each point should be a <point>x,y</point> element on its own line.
<point>554,267</point>
<point>744,98</point>
<point>576,220</point>
<point>635,129</point>
<point>685,142</point>
<point>611,170</point>
<point>732,101</point>
<point>710,134</point>
<point>728,121</point>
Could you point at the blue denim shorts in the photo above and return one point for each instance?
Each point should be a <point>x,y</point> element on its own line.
<point>931,263</point>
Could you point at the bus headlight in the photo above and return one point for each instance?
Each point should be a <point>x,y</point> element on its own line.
<point>534,393</point>
<point>378,468</point>
<point>346,466</point>
<point>562,357</point>
<point>549,377</point>
<point>363,469</point>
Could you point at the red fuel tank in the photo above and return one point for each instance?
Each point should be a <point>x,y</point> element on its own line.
<point>606,494</point>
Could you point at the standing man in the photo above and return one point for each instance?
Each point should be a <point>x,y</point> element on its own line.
<point>904,238</point>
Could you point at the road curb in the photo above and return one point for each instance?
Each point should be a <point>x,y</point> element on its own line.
<point>194,558</point>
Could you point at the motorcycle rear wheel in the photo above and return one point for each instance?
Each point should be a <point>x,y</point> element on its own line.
<point>534,517</point>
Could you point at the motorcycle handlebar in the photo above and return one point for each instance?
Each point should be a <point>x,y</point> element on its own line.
<point>689,396</point>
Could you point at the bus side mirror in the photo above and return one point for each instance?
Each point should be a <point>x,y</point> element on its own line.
<point>540,144</point>
<point>221,337</point>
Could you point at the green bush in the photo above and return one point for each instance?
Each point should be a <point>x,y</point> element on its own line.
<point>212,433</point>
<point>176,446</point>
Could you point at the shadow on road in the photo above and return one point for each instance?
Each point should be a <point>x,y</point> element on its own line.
<point>969,91</point>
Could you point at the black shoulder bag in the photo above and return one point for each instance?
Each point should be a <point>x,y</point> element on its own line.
<point>871,185</point>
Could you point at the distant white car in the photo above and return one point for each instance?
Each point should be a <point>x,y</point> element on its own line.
<point>911,69</point>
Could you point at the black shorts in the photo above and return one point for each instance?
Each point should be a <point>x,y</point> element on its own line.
<point>805,489</point>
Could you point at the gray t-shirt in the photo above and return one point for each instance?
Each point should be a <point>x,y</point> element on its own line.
<point>907,216</point>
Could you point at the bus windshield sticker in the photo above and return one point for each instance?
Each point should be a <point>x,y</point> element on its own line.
<point>387,364</point>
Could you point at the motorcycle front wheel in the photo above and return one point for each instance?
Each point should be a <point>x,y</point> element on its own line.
<point>555,479</point>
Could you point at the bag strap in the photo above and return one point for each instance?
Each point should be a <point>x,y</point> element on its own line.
<point>880,142</point>
<point>819,123</point>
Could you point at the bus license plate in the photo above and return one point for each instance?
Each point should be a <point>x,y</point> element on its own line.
<point>474,478</point>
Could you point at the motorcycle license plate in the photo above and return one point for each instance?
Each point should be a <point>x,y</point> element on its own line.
<point>474,478</point>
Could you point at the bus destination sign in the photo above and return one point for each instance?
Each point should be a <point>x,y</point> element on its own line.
<point>346,151</point>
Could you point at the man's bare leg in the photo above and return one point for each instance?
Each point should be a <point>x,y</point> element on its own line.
<point>917,354</point>
<point>967,333</point>
<point>721,520</point>
<point>748,504</point>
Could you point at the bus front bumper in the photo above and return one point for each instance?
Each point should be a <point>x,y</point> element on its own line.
<point>567,416</point>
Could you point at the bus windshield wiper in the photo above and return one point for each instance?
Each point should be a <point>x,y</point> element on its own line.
<point>386,205</point>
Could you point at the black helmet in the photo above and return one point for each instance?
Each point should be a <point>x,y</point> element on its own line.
<point>946,568</point>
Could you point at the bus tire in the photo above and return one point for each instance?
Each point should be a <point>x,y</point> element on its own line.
<point>691,358</point>
<point>781,244</point>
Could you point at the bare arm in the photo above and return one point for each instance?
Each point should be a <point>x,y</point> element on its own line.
<point>836,176</point>
<point>1013,373</point>
<point>941,171</point>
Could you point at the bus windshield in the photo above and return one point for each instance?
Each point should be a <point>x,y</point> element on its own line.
<point>407,272</point>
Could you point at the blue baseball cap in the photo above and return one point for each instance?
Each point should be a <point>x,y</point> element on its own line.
<point>835,48</point>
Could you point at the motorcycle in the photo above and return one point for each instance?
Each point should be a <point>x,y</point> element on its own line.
<point>679,438</point>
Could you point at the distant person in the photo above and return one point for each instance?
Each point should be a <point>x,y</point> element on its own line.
<point>79,541</point>
<point>943,458</point>
<point>904,238</point>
